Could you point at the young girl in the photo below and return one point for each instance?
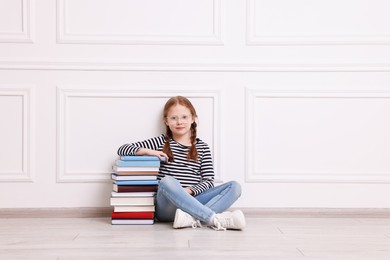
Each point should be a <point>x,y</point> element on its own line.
<point>186,193</point>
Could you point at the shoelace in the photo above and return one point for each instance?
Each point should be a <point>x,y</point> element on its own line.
<point>196,224</point>
<point>218,227</point>
<point>222,224</point>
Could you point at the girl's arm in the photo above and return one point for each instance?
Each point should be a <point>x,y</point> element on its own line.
<point>152,146</point>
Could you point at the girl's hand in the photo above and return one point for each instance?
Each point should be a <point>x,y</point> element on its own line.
<point>189,191</point>
<point>150,152</point>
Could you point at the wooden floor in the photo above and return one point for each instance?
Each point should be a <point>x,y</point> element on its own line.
<point>263,238</point>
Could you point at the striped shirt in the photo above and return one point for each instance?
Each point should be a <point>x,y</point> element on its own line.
<point>197,175</point>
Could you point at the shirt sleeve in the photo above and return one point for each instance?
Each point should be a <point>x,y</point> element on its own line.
<point>154,143</point>
<point>207,172</point>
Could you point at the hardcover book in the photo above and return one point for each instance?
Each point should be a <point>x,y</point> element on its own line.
<point>136,182</point>
<point>137,173</point>
<point>132,221</point>
<point>132,194</point>
<point>137,163</point>
<point>117,177</point>
<point>139,158</point>
<point>134,208</point>
<point>117,168</point>
<point>132,201</point>
<point>134,188</point>
<point>133,215</point>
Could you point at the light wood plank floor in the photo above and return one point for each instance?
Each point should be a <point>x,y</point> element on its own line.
<point>263,238</point>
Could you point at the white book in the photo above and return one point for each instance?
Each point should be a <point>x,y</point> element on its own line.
<point>132,194</point>
<point>132,221</point>
<point>130,201</point>
<point>135,168</point>
<point>133,208</point>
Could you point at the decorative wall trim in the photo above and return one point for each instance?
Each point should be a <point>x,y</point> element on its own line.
<point>64,94</point>
<point>28,144</point>
<point>253,39</point>
<point>235,66</point>
<point>66,36</point>
<point>303,177</point>
<point>26,35</point>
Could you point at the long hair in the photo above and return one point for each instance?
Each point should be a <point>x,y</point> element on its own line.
<point>180,100</point>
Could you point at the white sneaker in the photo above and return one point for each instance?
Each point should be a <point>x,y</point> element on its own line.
<point>183,220</point>
<point>229,220</point>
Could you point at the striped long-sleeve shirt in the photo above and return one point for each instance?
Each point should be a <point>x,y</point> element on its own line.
<point>197,175</point>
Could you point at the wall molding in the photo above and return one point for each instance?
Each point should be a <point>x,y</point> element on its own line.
<point>65,36</point>
<point>203,66</point>
<point>28,130</point>
<point>252,175</point>
<point>64,93</point>
<point>105,212</point>
<point>259,40</point>
<point>26,35</point>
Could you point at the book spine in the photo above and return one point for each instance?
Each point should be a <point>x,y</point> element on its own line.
<point>133,215</point>
<point>134,188</point>
<point>137,163</point>
<point>139,158</point>
<point>136,182</point>
<point>117,168</point>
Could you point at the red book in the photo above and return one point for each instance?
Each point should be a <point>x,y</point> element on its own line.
<point>133,215</point>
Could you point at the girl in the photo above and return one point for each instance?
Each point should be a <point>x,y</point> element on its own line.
<point>186,193</point>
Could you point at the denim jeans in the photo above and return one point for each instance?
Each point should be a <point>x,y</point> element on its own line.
<point>171,195</point>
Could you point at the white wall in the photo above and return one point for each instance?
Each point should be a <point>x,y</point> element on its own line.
<point>292,96</point>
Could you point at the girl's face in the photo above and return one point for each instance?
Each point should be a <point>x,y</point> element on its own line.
<point>179,120</point>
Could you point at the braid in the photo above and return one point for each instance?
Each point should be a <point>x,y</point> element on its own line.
<point>193,152</point>
<point>167,147</point>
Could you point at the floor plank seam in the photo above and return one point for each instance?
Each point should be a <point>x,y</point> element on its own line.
<point>300,251</point>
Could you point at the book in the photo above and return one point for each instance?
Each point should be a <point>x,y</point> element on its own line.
<point>132,221</point>
<point>131,201</point>
<point>136,182</point>
<point>137,163</point>
<point>117,177</point>
<point>117,168</point>
<point>137,173</point>
<point>133,215</point>
<point>139,158</point>
<point>134,188</point>
<point>134,208</point>
<point>133,194</point>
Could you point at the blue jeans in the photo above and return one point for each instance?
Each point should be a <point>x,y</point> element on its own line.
<point>171,195</point>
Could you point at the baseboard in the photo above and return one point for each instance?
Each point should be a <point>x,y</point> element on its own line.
<point>249,212</point>
<point>317,212</point>
<point>56,212</point>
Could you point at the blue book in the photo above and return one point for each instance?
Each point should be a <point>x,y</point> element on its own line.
<point>140,158</point>
<point>137,163</point>
<point>137,182</point>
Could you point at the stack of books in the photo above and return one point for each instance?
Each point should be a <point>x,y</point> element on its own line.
<point>134,188</point>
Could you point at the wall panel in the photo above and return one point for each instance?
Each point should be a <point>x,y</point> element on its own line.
<point>318,136</point>
<point>93,122</point>
<point>317,22</point>
<point>17,21</point>
<point>16,135</point>
<point>129,22</point>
